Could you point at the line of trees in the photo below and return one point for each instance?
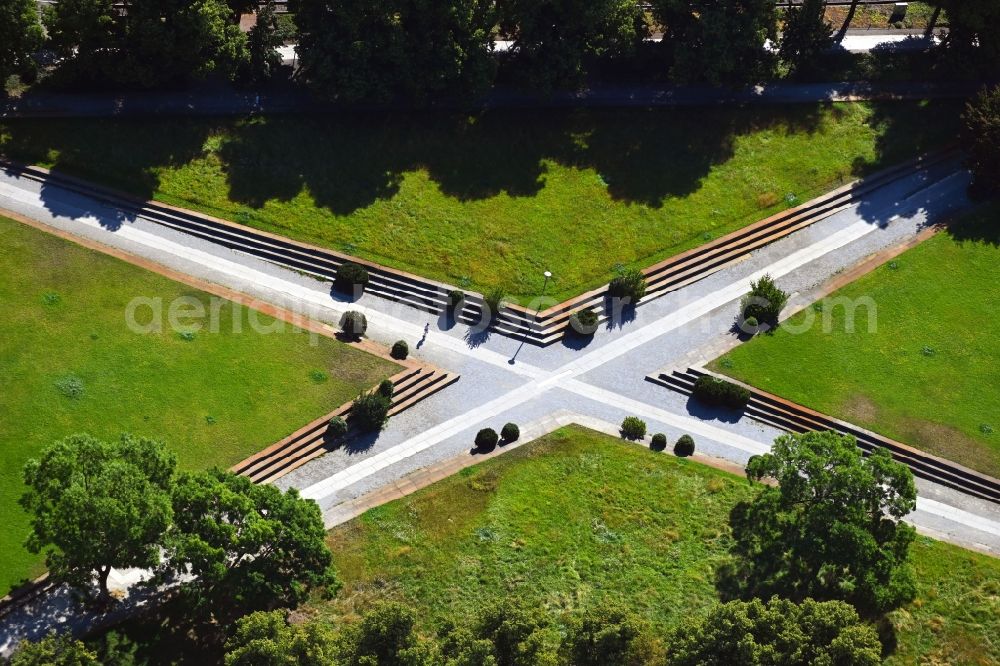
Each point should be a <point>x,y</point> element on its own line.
<point>417,50</point>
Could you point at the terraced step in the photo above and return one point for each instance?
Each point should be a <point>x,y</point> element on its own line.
<point>777,412</point>
<point>409,388</point>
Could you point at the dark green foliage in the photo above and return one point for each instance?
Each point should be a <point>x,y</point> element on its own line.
<point>263,40</point>
<point>386,388</point>
<point>487,439</point>
<point>413,50</point>
<point>386,636</point>
<point>510,432</point>
<point>659,442</point>
<point>630,285</point>
<point>353,324</point>
<point>764,302</point>
<point>20,36</point>
<point>370,411</point>
<point>684,446</point>
<point>249,546</point>
<point>336,428</point>
<point>267,639</point>
<point>400,350</point>
<point>805,37</point>
<point>584,322</point>
<point>456,297</point>
<point>831,529</point>
<point>750,324</point>
<point>720,393</point>
<point>776,632</point>
<point>555,39</point>
<point>973,41</point>
<point>156,42</point>
<point>518,635</point>
<point>98,505</point>
<point>494,301</point>
<point>718,42</point>
<point>609,634</point>
<point>982,140</point>
<point>633,428</point>
<point>53,650</point>
<point>351,275</point>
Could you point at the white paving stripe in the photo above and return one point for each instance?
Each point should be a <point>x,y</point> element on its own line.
<point>960,516</point>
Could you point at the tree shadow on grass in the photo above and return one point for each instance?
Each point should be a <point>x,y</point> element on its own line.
<point>982,226</point>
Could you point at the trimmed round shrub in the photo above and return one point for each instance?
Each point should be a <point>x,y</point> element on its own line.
<point>353,324</point>
<point>386,388</point>
<point>350,275</point>
<point>630,284</point>
<point>370,411</point>
<point>510,432</point>
<point>633,428</point>
<point>400,350</point>
<point>456,297</point>
<point>720,393</point>
<point>751,322</point>
<point>684,446</point>
<point>765,301</point>
<point>659,442</point>
<point>487,438</point>
<point>584,322</point>
<point>336,428</point>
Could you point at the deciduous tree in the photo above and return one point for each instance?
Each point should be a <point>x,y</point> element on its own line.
<point>555,39</point>
<point>249,547</point>
<point>805,36</point>
<point>267,639</point>
<point>97,505</point>
<point>20,36</point>
<point>831,529</point>
<point>777,632</point>
<point>385,50</point>
<point>53,650</point>
<point>982,140</point>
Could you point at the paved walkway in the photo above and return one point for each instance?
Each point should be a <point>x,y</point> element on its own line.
<point>599,384</point>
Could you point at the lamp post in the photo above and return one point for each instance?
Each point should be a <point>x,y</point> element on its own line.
<point>547,274</point>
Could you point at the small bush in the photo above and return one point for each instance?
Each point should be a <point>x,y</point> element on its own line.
<point>487,439</point>
<point>510,432</point>
<point>765,301</point>
<point>684,446</point>
<point>400,350</point>
<point>336,428</point>
<point>456,297</point>
<point>318,376</point>
<point>370,411</point>
<point>659,442</point>
<point>494,302</point>
<point>351,275</point>
<point>386,388</point>
<point>70,386</point>
<point>719,392</point>
<point>633,428</point>
<point>353,324</point>
<point>584,322</point>
<point>630,284</point>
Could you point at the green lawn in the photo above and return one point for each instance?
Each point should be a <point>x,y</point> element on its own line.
<point>578,516</point>
<point>930,374</point>
<point>214,399</point>
<point>500,197</point>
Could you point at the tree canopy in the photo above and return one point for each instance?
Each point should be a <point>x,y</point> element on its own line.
<point>98,505</point>
<point>973,41</point>
<point>265,638</point>
<point>250,547</point>
<point>20,36</point>
<point>805,36</point>
<point>53,650</point>
<point>776,632</point>
<point>982,140</point>
<point>555,39</point>
<point>385,50</point>
<point>831,529</point>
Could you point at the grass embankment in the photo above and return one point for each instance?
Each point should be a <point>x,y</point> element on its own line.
<point>71,364</point>
<point>498,198</point>
<point>929,374</point>
<point>578,516</point>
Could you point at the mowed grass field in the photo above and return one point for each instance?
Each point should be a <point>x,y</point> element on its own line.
<point>929,375</point>
<point>70,364</point>
<point>498,198</point>
<point>578,516</point>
